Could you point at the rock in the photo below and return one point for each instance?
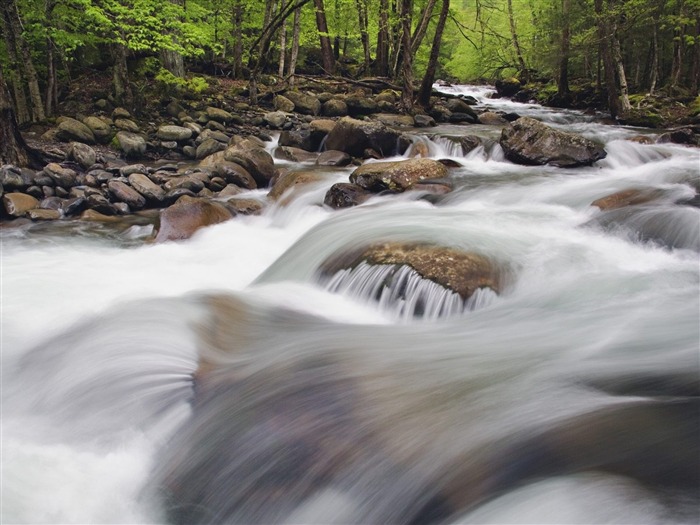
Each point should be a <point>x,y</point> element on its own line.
<point>123,193</point>
<point>120,113</point>
<point>395,121</point>
<point>73,130</point>
<point>125,171</point>
<point>18,204</point>
<point>245,206</point>
<point>293,179</point>
<point>344,195</point>
<point>528,141</point>
<point>424,121</point>
<point>306,139</point>
<point>44,215</point>
<point>131,144</point>
<point>230,190</point>
<point>208,147</point>
<point>333,158</point>
<point>396,176</point>
<point>234,173</point>
<point>440,113</point>
<point>173,196</point>
<point>358,105</point>
<point>322,125</point>
<point>489,118</point>
<point>12,179</point>
<point>100,129</point>
<point>456,105</point>
<point>96,216</point>
<point>182,219</point>
<point>679,136</point>
<point>61,176</point>
<point>74,205</point>
<point>294,154</point>
<point>99,203</point>
<point>125,124</point>
<point>507,87</point>
<point>282,103</point>
<point>628,197</point>
<point>304,103</point>
<point>185,182</point>
<point>469,143</point>
<point>458,118</point>
<point>354,136</point>
<point>174,133</point>
<point>82,154</point>
<point>334,108</point>
<point>388,95</point>
<point>219,115</point>
<point>275,119</point>
<point>51,203</point>
<point>254,159</point>
<point>461,272</point>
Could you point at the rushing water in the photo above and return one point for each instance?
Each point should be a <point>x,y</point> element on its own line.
<point>571,397</point>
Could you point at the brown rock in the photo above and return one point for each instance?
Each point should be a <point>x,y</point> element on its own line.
<point>182,219</point>
<point>293,179</point>
<point>396,176</point>
<point>628,197</point>
<point>18,204</point>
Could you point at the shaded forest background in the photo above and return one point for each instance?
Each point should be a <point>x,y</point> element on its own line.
<point>618,52</point>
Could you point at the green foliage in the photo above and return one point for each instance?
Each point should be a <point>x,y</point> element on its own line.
<point>192,87</point>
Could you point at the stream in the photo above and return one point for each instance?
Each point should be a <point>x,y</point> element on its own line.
<point>570,397</point>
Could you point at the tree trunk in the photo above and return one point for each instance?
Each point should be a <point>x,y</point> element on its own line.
<point>426,87</point>
<point>607,58</point>
<point>563,84</point>
<point>326,49</point>
<point>524,74</point>
<point>422,26</point>
<point>296,30</point>
<point>625,106</point>
<point>122,86</point>
<point>238,39</point>
<point>172,60</point>
<point>13,149</point>
<point>407,67</point>
<point>383,40</point>
<point>678,36</point>
<point>15,76</point>
<point>364,34</point>
<point>283,45</point>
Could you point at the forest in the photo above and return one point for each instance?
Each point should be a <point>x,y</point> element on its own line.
<point>618,48</point>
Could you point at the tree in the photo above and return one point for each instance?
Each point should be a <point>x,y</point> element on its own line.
<point>407,68</point>
<point>327,55</point>
<point>426,88</point>
<point>563,82</point>
<point>13,149</point>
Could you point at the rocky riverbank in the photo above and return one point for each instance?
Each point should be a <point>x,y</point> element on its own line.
<point>199,158</point>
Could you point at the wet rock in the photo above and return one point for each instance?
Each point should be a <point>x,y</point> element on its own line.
<point>469,143</point>
<point>82,154</point>
<point>440,113</point>
<point>334,108</point>
<point>355,136</point>
<point>230,190</point>
<point>361,105</point>
<point>184,181</point>
<point>456,105</point>
<point>459,118</point>
<point>174,133</point>
<point>333,158</point>
<point>217,184</point>
<point>236,174</point>
<point>507,87</point>
<point>73,206</point>
<point>132,145</point>
<point>396,176</point>
<point>51,203</point>
<point>208,147</point>
<point>182,219</point>
<point>125,171</point>
<point>282,103</point>
<point>424,121</point>
<point>61,176</point>
<point>628,197</point>
<point>345,195</point>
<point>275,119</point>
<point>43,215</point>
<point>528,141</point>
<point>306,139</point>
<point>100,129</point>
<point>99,203</point>
<point>245,206</point>
<point>304,103</point>
<point>12,179</point>
<point>123,193</point>
<point>219,115</point>
<point>254,159</point>
<point>37,192</point>
<point>293,180</point>
<point>679,136</point>
<point>490,118</point>
<point>294,154</point>
<point>396,121</point>
<point>461,272</point>
<point>70,130</point>
<point>96,216</point>
<point>173,196</point>
<point>18,204</point>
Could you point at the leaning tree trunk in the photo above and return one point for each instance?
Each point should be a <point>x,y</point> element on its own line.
<point>13,149</point>
<point>426,88</point>
<point>422,26</point>
<point>327,55</point>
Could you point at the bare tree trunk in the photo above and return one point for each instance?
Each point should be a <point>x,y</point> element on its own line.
<point>625,106</point>
<point>524,74</point>
<point>296,30</point>
<point>327,55</point>
<point>15,76</point>
<point>364,35</point>
<point>426,87</point>
<point>563,84</point>
<point>238,39</point>
<point>695,73</point>
<point>13,149</point>
<point>422,26</point>
<point>122,86</point>
<point>283,45</point>
<point>678,36</point>
<point>383,39</point>
<point>407,67</point>
<point>607,59</point>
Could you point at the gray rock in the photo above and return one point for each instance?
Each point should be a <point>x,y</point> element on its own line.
<point>186,182</point>
<point>424,121</point>
<point>345,195</point>
<point>123,193</point>
<point>73,130</point>
<point>282,103</point>
<point>355,136</point>
<point>99,203</point>
<point>208,147</point>
<point>146,187</point>
<point>219,115</point>
<point>254,159</point>
<point>12,179</point>
<point>333,158</point>
<point>528,141</point>
<point>397,176</point>
<point>358,105</point>
<point>294,154</point>
<point>275,119</point>
<point>125,124</point>
<point>304,103</point>
<point>335,108</point>
<point>131,144</point>
<point>82,154</point>
<point>125,171</point>
<point>174,133</point>
<point>120,113</point>
<point>395,121</point>
<point>64,177</point>
<point>235,174</point>
<point>100,129</point>
<point>306,139</point>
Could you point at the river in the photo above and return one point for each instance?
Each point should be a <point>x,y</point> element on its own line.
<point>571,397</point>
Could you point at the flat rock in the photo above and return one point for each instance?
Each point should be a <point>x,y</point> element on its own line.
<point>397,176</point>
<point>18,204</point>
<point>181,220</point>
<point>124,193</point>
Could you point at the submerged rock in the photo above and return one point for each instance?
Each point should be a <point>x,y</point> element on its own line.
<point>528,141</point>
<point>628,197</point>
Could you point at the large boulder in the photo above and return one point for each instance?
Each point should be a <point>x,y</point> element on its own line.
<point>530,142</point>
<point>304,103</point>
<point>18,204</point>
<point>70,130</point>
<point>397,176</point>
<point>182,219</point>
<point>306,139</point>
<point>355,136</point>
<point>461,272</point>
<point>294,180</point>
<point>345,195</point>
<point>507,87</point>
<point>131,144</point>
<point>254,159</point>
<point>101,129</point>
<point>82,154</point>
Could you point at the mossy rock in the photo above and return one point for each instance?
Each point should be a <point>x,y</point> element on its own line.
<point>643,118</point>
